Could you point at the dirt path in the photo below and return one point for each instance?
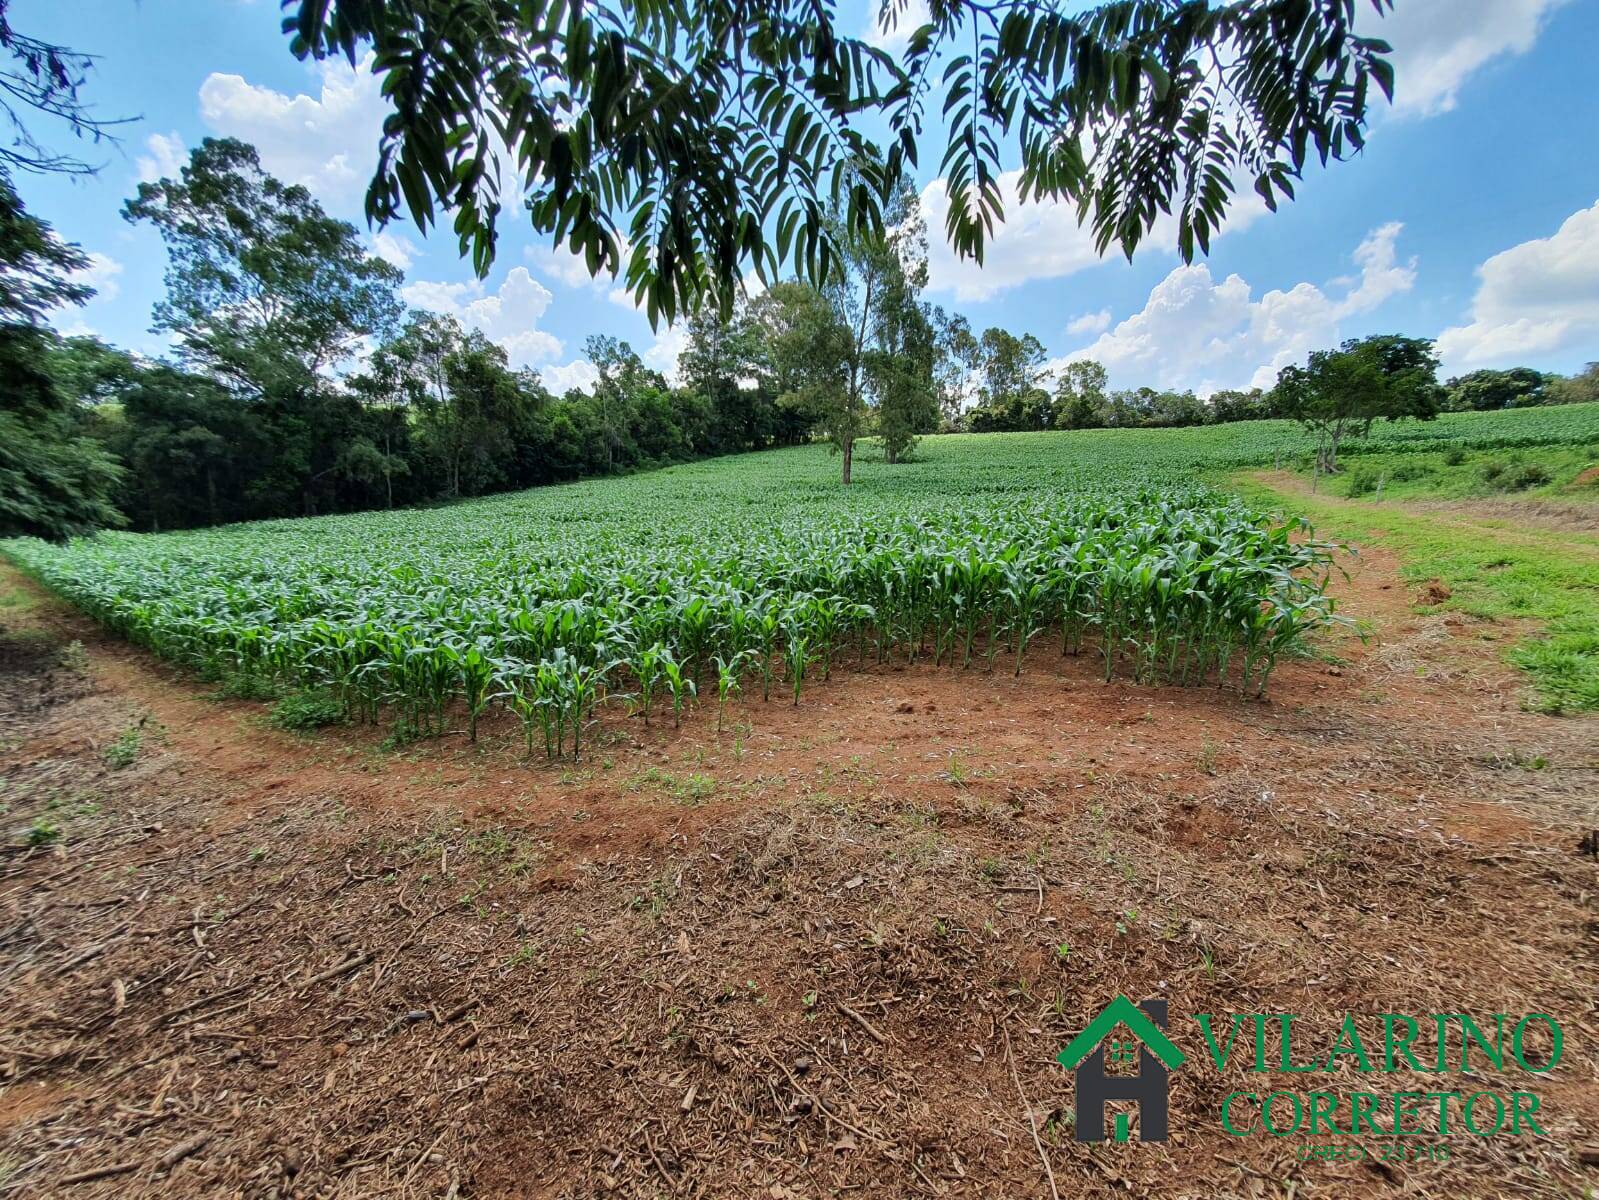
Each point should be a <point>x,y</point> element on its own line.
<point>818,954</point>
<point>1569,529</point>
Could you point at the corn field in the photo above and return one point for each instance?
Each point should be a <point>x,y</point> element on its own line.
<point>693,585</point>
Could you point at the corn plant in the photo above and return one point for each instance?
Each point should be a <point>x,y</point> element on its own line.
<point>540,603</point>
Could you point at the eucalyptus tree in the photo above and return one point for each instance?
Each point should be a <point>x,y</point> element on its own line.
<point>1010,391</point>
<point>806,348</point>
<point>263,288</point>
<point>955,364</point>
<point>714,136</point>
<point>874,290</point>
<point>1080,394</point>
<point>270,296</point>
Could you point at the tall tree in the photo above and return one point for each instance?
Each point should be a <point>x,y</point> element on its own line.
<point>55,480</point>
<point>1011,393</point>
<point>459,391</point>
<point>874,293</point>
<point>721,353</point>
<point>806,348</point>
<point>720,133</point>
<point>269,295</point>
<point>264,289</point>
<point>1080,395</point>
<point>1347,390</point>
<point>900,364</point>
<point>955,365</point>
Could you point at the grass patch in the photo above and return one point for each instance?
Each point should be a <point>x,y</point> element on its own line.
<point>692,789</point>
<point>122,752</point>
<point>1459,473</point>
<point>305,711</point>
<point>1514,574</point>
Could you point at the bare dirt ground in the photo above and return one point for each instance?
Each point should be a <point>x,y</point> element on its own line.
<point>829,951</point>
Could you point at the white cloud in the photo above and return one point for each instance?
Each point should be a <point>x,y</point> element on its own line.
<point>562,265</point>
<point>166,157</point>
<point>668,348</point>
<point>102,275</point>
<point>395,248</point>
<point>1094,322</point>
<point>1538,298</point>
<point>327,142</point>
<point>1195,332</point>
<point>579,374</point>
<point>896,35</point>
<point>1439,44</point>
<point>1041,239</point>
<point>508,316</point>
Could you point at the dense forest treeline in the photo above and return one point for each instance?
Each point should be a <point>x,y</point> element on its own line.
<point>300,383</point>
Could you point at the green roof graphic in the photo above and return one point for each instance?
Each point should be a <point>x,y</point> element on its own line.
<point>1122,1011</point>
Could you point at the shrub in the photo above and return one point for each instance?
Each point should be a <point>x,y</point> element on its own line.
<point>306,710</point>
<point>1454,456</point>
<point>1527,475</point>
<point>1362,482</point>
<point>1515,476</point>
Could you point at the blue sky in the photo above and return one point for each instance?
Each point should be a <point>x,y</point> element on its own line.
<point>1472,217</point>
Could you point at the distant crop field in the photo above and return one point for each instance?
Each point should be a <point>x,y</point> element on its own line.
<point>757,571</point>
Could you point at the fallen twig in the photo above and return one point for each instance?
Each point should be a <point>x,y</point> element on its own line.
<point>105,1172</point>
<point>863,1023</point>
<point>1032,1123</point>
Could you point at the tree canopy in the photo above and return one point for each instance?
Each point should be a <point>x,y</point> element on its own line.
<point>714,135</point>
<point>262,285</point>
<point>54,481</point>
<point>1337,392</point>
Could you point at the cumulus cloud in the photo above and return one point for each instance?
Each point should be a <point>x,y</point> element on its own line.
<point>1538,298</point>
<point>1195,332</point>
<point>668,348</point>
<point>1094,322</point>
<point>562,378</point>
<point>1439,44</point>
<point>562,265</point>
<point>1041,239</point>
<point>327,142</point>
<point>508,316</point>
<point>164,159</point>
<point>395,248</point>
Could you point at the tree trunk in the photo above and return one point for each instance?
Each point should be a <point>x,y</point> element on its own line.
<point>388,467</point>
<point>849,455</point>
<point>1332,449</point>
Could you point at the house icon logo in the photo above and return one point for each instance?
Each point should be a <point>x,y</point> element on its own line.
<point>1156,1056</point>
